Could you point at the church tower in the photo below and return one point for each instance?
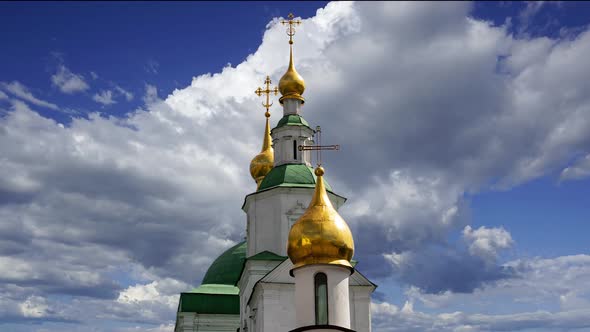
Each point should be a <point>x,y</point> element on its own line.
<point>285,188</point>
<point>262,284</point>
<point>320,247</point>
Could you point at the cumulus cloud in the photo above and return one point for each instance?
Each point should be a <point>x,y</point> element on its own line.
<point>34,306</point>
<point>155,195</point>
<point>21,91</point>
<point>157,300</point>
<point>486,242</point>
<point>105,97</point>
<point>542,283</point>
<point>67,81</point>
<point>388,318</point>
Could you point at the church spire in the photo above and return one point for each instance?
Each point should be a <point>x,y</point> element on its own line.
<point>264,161</point>
<point>291,84</point>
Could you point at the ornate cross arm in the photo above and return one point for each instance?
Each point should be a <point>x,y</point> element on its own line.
<point>319,148</point>
<point>267,92</point>
<point>290,29</point>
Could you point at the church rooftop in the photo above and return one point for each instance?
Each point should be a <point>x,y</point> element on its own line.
<point>290,175</point>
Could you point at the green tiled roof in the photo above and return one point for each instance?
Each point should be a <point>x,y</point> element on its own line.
<point>209,303</point>
<point>267,256</point>
<point>291,175</point>
<point>227,268</point>
<point>218,293</point>
<point>292,120</point>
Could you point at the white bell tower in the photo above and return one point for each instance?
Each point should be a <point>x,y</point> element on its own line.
<point>320,245</point>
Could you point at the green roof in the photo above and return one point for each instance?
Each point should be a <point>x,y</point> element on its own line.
<point>292,120</point>
<point>216,289</point>
<point>291,175</point>
<point>209,303</point>
<point>267,256</point>
<point>218,293</point>
<point>227,268</point>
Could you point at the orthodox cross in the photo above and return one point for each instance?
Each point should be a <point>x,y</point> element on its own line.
<point>291,29</point>
<point>267,92</point>
<point>319,147</point>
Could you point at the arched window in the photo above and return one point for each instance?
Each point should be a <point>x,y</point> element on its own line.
<point>321,299</point>
<point>295,149</point>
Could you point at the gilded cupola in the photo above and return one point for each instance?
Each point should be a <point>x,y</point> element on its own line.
<point>291,84</point>
<point>320,235</point>
<point>264,161</point>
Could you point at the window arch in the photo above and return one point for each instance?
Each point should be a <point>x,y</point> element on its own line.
<point>321,298</point>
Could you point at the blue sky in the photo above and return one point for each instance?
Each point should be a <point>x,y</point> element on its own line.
<point>131,43</point>
<point>474,113</point>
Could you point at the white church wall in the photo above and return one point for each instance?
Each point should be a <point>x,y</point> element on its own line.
<point>282,306</point>
<point>271,214</point>
<point>253,271</point>
<point>291,106</point>
<point>279,309</point>
<point>338,295</point>
<point>282,141</point>
<point>360,308</point>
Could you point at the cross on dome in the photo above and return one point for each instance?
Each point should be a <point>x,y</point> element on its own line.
<point>267,92</point>
<point>291,29</point>
<point>291,84</point>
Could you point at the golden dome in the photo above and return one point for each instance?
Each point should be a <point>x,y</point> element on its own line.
<point>264,161</point>
<point>320,235</point>
<point>291,84</point>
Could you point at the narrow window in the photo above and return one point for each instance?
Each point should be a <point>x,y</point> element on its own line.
<point>321,299</point>
<point>295,149</point>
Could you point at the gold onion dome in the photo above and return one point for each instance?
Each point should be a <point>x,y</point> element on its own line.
<point>264,161</point>
<point>320,235</point>
<point>291,84</point>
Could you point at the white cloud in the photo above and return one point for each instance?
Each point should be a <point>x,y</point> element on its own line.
<point>128,95</point>
<point>165,291</point>
<point>410,320</point>
<point>105,97</point>
<point>68,82</point>
<point>579,170</point>
<point>446,117</point>
<point>21,91</point>
<point>35,307</point>
<point>93,75</point>
<point>486,242</point>
<point>544,283</point>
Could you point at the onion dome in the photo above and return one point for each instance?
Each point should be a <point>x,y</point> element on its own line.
<point>227,268</point>
<point>264,161</point>
<point>320,235</point>
<point>291,84</point>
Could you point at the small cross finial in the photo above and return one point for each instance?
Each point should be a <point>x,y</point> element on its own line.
<point>319,147</point>
<point>267,92</point>
<point>291,29</point>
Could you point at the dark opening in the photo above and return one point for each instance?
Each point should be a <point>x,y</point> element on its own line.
<point>295,149</point>
<point>321,299</point>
